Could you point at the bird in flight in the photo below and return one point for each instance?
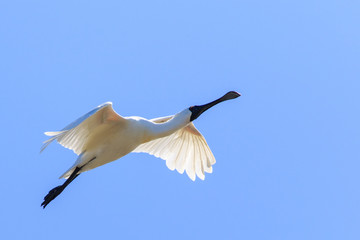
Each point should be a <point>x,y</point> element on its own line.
<point>102,136</point>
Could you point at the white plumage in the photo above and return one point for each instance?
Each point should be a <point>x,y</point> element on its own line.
<point>102,136</point>
<point>184,149</point>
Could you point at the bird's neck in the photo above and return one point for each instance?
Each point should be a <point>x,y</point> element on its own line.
<point>177,122</point>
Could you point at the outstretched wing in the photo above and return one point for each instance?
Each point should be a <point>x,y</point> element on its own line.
<point>186,149</point>
<point>74,135</point>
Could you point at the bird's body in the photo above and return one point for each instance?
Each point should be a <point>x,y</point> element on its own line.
<point>102,136</point>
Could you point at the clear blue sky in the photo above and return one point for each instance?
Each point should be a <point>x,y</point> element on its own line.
<point>287,151</point>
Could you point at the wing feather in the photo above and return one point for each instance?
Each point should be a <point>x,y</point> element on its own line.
<point>184,150</point>
<point>74,135</point>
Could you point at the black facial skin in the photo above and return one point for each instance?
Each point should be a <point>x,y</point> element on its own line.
<point>198,110</point>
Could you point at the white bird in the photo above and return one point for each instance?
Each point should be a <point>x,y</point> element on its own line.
<point>102,136</point>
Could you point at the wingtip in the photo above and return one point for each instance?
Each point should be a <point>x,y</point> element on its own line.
<point>105,104</point>
<point>49,134</point>
<point>191,175</point>
<point>202,177</point>
<point>46,143</point>
<point>54,133</point>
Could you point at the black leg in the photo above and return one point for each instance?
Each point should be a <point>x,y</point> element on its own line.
<point>57,190</point>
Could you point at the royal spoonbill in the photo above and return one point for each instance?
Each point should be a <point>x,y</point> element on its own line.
<point>102,136</point>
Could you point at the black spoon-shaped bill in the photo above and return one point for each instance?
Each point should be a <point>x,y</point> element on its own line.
<point>198,110</point>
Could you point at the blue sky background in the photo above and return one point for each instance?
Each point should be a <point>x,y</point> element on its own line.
<point>287,151</point>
